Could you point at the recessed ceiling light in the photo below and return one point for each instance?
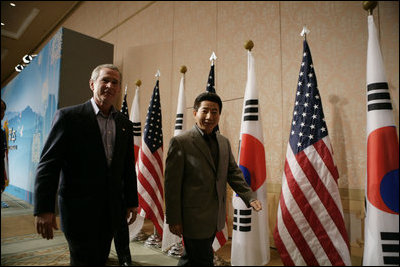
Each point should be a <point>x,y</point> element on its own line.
<point>12,4</point>
<point>2,24</point>
<point>19,68</point>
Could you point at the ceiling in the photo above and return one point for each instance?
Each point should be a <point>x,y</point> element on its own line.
<point>26,26</point>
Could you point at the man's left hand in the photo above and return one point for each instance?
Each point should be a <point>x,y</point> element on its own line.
<point>256,204</point>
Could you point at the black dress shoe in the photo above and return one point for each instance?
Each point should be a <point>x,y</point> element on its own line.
<point>125,261</point>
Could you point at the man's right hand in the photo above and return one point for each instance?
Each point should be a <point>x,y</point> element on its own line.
<point>176,229</point>
<point>45,222</point>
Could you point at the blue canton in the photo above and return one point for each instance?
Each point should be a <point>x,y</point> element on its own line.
<point>124,108</point>
<point>153,136</point>
<point>308,124</point>
<point>210,82</point>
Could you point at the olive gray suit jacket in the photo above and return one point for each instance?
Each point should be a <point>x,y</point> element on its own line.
<point>195,189</point>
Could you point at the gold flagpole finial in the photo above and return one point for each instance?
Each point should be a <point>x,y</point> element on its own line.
<point>183,69</point>
<point>138,83</point>
<point>249,45</point>
<point>369,6</point>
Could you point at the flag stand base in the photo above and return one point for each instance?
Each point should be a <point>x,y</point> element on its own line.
<point>153,241</point>
<point>176,250</point>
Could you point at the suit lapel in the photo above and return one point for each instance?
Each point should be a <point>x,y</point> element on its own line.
<point>201,144</point>
<point>119,129</point>
<point>223,152</point>
<point>94,125</point>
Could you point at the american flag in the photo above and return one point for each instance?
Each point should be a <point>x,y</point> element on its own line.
<point>222,236</point>
<point>124,108</point>
<point>310,227</point>
<point>381,241</point>
<point>150,170</point>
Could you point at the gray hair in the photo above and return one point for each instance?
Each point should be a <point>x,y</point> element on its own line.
<point>96,71</point>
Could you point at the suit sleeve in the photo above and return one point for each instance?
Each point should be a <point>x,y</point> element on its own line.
<point>237,182</point>
<point>49,167</point>
<point>174,172</point>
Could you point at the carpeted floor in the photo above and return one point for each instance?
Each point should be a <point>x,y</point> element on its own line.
<point>21,246</point>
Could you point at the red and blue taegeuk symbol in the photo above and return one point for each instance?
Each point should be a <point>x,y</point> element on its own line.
<point>383,169</point>
<point>252,161</point>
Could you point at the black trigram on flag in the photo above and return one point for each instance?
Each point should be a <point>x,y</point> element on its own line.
<point>378,96</point>
<point>136,129</point>
<point>179,121</point>
<point>390,248</point>
<point>242,220</point>
<point>251,110</point>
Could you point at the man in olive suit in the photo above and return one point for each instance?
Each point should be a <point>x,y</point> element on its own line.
<point>199,164</point>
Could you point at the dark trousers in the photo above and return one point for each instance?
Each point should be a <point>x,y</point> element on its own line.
<point>89,250</point>
<point>197,252</point>
<point>121,242</point>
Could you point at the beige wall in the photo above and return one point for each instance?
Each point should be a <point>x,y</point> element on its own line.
<point>151,35</point>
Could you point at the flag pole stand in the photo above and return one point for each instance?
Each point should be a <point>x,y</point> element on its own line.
<point>141,236</point>
<point>154,240</point>
<point>176,250</point>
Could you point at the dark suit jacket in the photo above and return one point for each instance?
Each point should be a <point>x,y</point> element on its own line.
<point>195,189</point>
<point>73,162</point>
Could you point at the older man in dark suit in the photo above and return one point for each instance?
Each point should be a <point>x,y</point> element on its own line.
<point>199,165</point>
<point>89,158</point>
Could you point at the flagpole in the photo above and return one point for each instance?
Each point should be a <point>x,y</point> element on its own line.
<point>369,6</point>
<point>248,45</point>
<point>155,233</point>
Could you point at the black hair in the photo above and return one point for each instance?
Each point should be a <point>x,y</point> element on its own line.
<point>213,97</point>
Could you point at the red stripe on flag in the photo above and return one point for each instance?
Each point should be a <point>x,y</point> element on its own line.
<point>156,214</point>
<point>308,212</point>
<point>323,194</point>
<point>221,238</point>
<point>156,155</point>
<point>291,225</point>
<point>150,190</point>
<point>284,254</point>
<point>150,215</point>
<point>150,167</point>
<point>326,156</point>
<point>136,149</point>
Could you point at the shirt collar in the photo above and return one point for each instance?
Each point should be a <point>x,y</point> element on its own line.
<point>97,110</point>
<point>198,129</point>
<point>213,133</point>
